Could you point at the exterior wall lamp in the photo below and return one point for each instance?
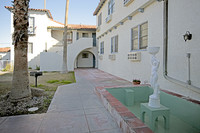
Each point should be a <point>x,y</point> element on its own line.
<point>187,36</point>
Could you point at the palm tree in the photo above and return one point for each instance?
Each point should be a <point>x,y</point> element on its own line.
<point>20,84</point>
<point>64,66</point>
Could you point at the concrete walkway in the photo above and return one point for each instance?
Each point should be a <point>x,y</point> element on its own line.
<point>74,109</point>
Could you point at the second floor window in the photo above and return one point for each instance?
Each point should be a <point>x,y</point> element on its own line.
<point>114,44</point>
<point>102,48</point>
<point>31,27</point>
<point>110,7</point>
<point>100,19</point>
<point>139,37</point>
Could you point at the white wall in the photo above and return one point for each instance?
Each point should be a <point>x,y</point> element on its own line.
<point>75,49</point>
<point>123,67</point>
<point>180,21</point>
<point>183,16</point>
<point>85,62</point>
<point>5,56</point>
<point>50,61</point>
<point>41,37</point>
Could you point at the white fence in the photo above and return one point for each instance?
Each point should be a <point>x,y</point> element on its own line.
<point>3,64</point>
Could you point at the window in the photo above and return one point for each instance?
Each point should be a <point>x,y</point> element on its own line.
<point>110,7</point>
<point>85,35</point>
<point>30,48</point>
<point>0,57</point>
<point>114,44</point>
<point>100,19</point>
<point>102,48</point>
<point>31,28</point>
<point>69,37</point>
<point>77,35</point>
<point>139,37</point>
<point>85,55</point>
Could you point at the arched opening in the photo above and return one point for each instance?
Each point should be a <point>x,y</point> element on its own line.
<point>85,59</point>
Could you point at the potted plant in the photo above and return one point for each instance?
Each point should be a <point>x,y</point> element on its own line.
<point>136,81</point>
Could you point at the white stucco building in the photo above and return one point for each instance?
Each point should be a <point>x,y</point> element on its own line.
<point>5,53</point>
<point>126,28</point>
<point>4,57</point>
<point>46,39</point>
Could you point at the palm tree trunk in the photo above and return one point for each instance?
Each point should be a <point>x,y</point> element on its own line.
<point>20,84</point>
<point>64,66</point>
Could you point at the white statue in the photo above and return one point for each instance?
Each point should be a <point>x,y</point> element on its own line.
<point>154,75</point>
<point>154,99</point>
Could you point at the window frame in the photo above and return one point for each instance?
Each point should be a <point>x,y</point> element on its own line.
<point>102,47</point>
<point>111,4</point>
<point>85,55</point>
<point>31,28</point>
<point>139,36</point>
<point>30,51</point>
<point>114,44</point>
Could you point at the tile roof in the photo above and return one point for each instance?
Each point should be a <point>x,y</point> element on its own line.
<point>99,7</point>
<point>31,9</point>
<point>75,26</point>
<point>3,50</point>
<point>70,26</point>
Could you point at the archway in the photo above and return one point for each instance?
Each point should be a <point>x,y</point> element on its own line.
<point>85,59</point>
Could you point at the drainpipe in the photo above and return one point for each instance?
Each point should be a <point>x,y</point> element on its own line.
<point>165,54</point>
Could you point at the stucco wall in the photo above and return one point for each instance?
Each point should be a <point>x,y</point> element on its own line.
<point>180,21</point>
<point>85,62</point>
<point>123,67</point>
<point>41,37</point>
<point>50,61</point>
<point>5,56</point>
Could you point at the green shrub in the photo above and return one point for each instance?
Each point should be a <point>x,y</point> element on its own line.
<point>37,67</point>
<point>8,68</point>
<point>65,82</point>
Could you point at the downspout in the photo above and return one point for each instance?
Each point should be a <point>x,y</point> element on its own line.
<point>165,53</point>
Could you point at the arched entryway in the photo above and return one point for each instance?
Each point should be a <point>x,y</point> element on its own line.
<point>86,59</point>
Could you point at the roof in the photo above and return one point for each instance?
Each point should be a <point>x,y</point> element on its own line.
<point>31,9</point>
<point>70,26</point>
<point>99,7</point>
<point>4,50</point>
<point>75,26</point>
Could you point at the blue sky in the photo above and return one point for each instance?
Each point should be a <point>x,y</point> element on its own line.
<point>80,12</point>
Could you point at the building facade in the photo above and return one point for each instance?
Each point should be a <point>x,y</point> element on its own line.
<point>46,42</point>
<point>126,28</point>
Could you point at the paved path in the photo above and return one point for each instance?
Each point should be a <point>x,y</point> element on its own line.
<point>74,109</point>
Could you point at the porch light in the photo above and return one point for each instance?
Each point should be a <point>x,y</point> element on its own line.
<point>187,36</point>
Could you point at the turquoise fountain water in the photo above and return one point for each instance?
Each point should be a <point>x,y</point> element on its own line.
<point>184,115</point>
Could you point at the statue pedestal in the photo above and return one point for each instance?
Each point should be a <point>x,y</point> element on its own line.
<point>154,101</point>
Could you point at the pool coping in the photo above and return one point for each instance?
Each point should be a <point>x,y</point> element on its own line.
<point>125,119</point>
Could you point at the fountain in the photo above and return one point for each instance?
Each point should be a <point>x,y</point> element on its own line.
<point>154,99</point>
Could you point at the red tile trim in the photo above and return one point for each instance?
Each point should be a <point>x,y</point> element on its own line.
<point>181,96</point>
<point>125,119</point>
